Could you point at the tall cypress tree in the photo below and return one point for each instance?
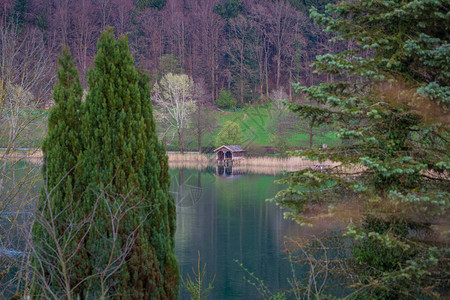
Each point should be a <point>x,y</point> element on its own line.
<point>123,158</point>
<point>106,222</point>
<point>61,149</point>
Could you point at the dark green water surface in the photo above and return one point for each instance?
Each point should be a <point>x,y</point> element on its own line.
<point>227,218</point>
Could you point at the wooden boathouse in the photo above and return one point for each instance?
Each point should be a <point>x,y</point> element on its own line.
<point>228,154</point>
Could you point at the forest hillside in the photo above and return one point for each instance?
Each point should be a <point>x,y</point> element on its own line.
<point>247,47</point>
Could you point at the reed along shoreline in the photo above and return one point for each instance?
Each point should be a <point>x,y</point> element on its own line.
<point>259,164</point>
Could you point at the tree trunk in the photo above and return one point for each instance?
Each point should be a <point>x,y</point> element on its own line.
<point>199,128</point>
<point>199,141</point>
<point>278,68</point>
<point>242,71</point>
<point>266,67</point>
<point>180,141</point>
<point>290,80</point>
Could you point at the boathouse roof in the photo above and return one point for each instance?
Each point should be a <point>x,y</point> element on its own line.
<point>232,148</point>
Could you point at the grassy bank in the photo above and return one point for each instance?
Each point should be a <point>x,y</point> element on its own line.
<point>255,123</point>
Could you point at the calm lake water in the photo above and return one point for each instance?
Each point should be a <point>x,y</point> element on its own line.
<point>227,218</point>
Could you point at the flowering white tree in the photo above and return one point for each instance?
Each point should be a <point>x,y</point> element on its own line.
<point>174,96</point>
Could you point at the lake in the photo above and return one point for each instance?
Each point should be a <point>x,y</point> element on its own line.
<point>227,218</point>
<point>223,215</point>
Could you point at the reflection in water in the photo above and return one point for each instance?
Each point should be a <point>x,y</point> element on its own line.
<point>184,192</point>
<point>14,231</point>
<point>228,171</point>
<point>224,219</point>
<point>19,185</point>
<point>231,221</point>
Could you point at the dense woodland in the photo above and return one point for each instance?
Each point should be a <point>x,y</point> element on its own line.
<point>249,47</point>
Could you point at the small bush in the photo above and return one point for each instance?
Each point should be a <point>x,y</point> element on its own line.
<point>280,144</point>
<point>230,134</point>
<point>226,99</point>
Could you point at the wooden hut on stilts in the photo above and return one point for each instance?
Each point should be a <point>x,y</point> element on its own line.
<point>229,154</point>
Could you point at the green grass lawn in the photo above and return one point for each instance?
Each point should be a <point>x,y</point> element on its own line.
<point>255,122</point>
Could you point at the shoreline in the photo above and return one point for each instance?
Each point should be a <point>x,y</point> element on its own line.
<point>270,164</point>
<point>267,165</point>
<point>260,164</point>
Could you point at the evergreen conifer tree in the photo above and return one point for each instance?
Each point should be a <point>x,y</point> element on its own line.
<point>106,222</point>
<point>17,16</point>
<point>389,104</point>
<point>123,158</point>
<point>59,196</point>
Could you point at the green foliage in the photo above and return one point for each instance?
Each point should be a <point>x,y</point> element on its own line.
<point>280,143</point>
<point>383,257</point>
<point>196,286</point>
<point>229,9</point>
<point>401,266</point>
<point>41,22</point>
<point>230,134</point>
<point>306,5</point>
<point>17,16</point>
<point>60,149</point>
<point>374,105</point>
<point>226,99</point>
<point>260,286</point>
<point>122,153</point>
<point>155,4</point>
<point>168,63</point>
<point>120,178</point>
<point>255,121</point>
<point>389,105</point>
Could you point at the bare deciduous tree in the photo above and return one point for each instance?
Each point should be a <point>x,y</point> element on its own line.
<point>276,21</point>
<point>25,82</point>
<point>241,48</point>
<point>26,79</point>
<point>207,29</point>
<point>205,120</point>
<point>85,32</point>
<point>123,9</point>
<point>174,96</point>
